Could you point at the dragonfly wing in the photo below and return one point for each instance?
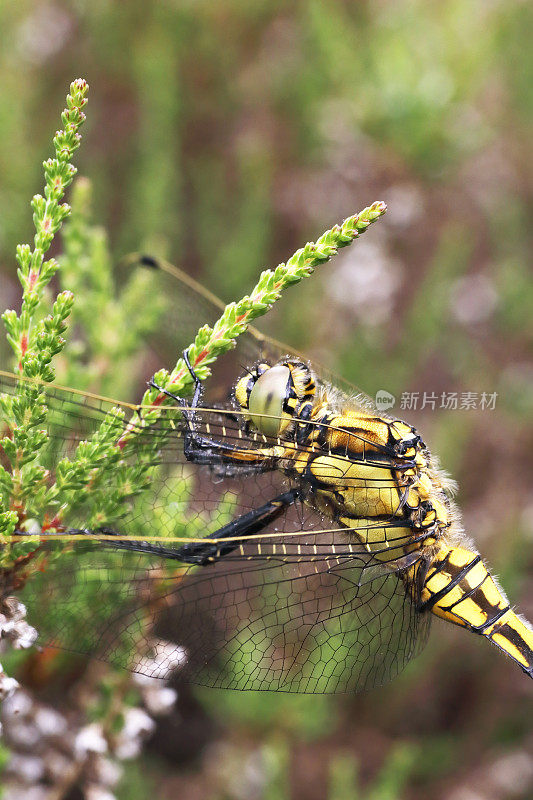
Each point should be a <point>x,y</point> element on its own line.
<point>184,301</point>
<point>293,627</point>
<point>252,621</point>
<point>183,499</point>
<point>302,608</point>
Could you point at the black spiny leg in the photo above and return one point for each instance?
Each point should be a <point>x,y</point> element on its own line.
<point>206,552</point>
<point>187,410</point>
<point>194,446</point>
<point>201,449</point>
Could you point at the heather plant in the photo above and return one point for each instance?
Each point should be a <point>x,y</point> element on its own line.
<point>109,467</point>
<point>99,470</point>
<point>34,335</point>
<point>231,132</point>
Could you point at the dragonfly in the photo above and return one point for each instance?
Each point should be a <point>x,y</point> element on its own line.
<point>290,538</point>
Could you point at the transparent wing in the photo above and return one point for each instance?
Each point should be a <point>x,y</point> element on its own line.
<point>185,304</point>
<point>182,500</point>
<point>185,301</point>
<point>270,623</point>
<point>304,606</point>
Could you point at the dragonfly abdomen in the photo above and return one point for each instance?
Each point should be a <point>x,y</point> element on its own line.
<point>459,588</point>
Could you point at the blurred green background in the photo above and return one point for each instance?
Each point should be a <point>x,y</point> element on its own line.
<point>224,135</point>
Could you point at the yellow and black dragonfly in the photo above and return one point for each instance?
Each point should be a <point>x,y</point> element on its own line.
<point>290,539</point>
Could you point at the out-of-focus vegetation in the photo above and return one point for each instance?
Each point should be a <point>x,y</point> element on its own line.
<point>223,136</point>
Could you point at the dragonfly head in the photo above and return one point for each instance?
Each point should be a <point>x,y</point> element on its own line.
<point>273,395</point>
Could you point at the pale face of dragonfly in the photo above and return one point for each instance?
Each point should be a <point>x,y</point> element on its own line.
<point>324,521</point>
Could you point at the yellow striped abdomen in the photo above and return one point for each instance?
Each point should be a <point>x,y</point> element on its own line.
<point>458,588</point>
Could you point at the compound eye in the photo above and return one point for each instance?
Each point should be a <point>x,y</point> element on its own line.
<point>266,397</point>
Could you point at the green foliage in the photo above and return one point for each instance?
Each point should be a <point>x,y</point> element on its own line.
<point>111,319</point>
<point>275,758</point>
<point>212,342</point>
<point>35,338</point>
<point>98,477</point>
<point>231,132</point>
<point>391,780</point>
<point>305,717</point>
<point>36,341</point>
<point>388,785</point>
<point>5,755</point>
<point>343,777</point>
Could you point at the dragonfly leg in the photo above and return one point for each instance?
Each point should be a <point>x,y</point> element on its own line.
<point>458,588</point>
<point>223,541</point>
<point>192,442</point>
<point>198,389</point>
<point>201,449</point>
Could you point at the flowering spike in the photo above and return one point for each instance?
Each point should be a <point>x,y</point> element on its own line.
<point>212,342</point>
<point>24,335</point>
